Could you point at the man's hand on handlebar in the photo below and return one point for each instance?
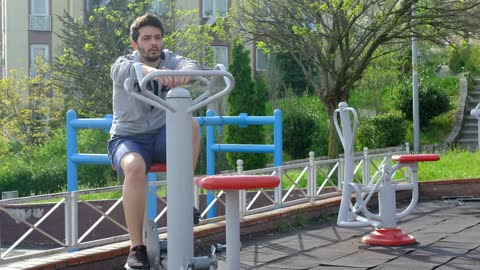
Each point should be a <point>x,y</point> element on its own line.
<point>169,81</point>
<point>172,81</point>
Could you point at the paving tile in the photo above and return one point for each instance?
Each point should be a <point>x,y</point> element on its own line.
<point>262,255</point>
<point>296,262</point>
<point>453,225</point>
<point>328,267</point>
<point>455,266</point>
<point>427,238</point>
<point>471,258</point>
<point>454,241</point>
<point>363,258</point>
<point>403,266</point>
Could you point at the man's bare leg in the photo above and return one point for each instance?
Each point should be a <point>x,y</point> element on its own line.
<point>134,168</point>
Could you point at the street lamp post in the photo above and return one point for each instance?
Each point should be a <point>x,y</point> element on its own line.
<point>416,118</point>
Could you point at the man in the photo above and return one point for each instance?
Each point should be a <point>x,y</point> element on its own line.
<point>138,129</point>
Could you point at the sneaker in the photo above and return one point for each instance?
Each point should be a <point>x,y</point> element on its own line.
<point>196,216</point>
<point>138,259</point>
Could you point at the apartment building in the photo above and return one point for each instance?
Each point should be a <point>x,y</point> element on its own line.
<point>28,29</point>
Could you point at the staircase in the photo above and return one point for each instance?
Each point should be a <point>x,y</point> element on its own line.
<point>468,135</point>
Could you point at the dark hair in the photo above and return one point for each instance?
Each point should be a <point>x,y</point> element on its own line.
<point>148,19</point>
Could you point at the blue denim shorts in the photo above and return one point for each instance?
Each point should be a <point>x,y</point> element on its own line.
<point>151,147</point>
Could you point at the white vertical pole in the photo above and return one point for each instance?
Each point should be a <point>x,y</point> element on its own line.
<point>179,180</point>
<point>233,230</point>
<point>387,199</point>
<point>347,140</point>
<point>416,113</point>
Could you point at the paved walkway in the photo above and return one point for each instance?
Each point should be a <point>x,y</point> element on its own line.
<point>448,235</point>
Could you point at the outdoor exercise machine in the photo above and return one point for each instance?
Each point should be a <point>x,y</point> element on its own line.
<point>179,108</point>
<point>209,122</point>
<point>356,213</point>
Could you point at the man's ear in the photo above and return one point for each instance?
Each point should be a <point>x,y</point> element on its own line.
<point>134,44</point>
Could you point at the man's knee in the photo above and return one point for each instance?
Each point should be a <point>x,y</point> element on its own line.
<point>133,164</point>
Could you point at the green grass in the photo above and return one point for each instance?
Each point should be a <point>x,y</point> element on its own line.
<point>453,164</point>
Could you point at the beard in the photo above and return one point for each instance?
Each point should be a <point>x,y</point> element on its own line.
<point>146,56</point>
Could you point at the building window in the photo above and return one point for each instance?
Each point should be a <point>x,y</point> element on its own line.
<point>161,7</point>
<point>219,56</point>
<point>40,19</point>
<point>212,7</point>
<point>37,51</point>
<point>93,4</point>
<point>261,60</point>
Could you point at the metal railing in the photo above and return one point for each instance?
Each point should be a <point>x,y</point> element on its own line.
<point>40,22</point>
<point>304,182</point>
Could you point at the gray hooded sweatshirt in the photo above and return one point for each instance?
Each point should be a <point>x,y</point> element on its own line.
<point>131,116</point>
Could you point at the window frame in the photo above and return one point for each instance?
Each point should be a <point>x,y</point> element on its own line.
<point>214,8</point>
<point>257,53</point>
<point>215,47</point>
<point>46,6</point>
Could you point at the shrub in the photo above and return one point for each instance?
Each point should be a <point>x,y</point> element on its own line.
<point>465,58</point>
<point>433,101</point>
<point>298,128</point>
<point>41,169</point>
<point>383,130</point>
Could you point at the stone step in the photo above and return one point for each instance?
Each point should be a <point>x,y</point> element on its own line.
<point>467,141</point>
<point>472,130</point>
<point>468,134</point>
<point>470,124</point>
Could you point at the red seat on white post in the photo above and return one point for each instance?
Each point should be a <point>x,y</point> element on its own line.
<point>231,185</point>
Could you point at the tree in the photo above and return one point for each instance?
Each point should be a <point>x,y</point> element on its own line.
<point>83,68</point>
<point>30,108</point>
<point>334,41</point>
<point>248,97</point>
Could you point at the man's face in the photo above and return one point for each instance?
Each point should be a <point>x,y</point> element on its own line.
<point>149,43</point>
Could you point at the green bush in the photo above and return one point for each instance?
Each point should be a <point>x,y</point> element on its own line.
<point>16,176</point>
<point>465,58</point>
<point>305,126</point>
<point>93,176</point>
<point>298,128</point>
<point>383,130</point>
<point>433,101</point>
<point>41,169</point>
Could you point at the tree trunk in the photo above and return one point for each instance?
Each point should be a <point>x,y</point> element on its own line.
<point>332,135</point>
<point>331,98</point>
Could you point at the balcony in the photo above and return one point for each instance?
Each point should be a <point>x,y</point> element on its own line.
<point>40,23</point>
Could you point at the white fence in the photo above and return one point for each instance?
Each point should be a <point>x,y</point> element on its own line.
<point>303,182</point>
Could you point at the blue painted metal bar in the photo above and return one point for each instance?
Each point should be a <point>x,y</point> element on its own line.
<point>277,138</point>
<point>90,159</point>
<point>210,121</point>
<point>243,119</point>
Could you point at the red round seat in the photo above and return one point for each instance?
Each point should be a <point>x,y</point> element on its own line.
<point>158,167</point>
<point>415,158</point>
<point>237,182</point>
